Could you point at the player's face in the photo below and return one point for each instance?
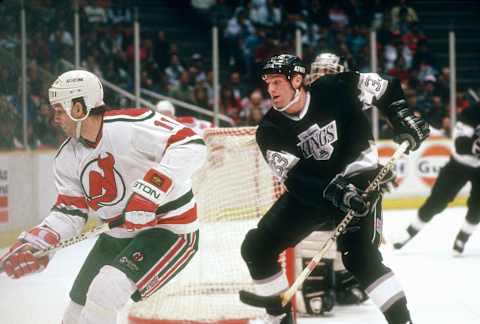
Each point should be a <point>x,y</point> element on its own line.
<point>63,121</point>
<point>279,89</point>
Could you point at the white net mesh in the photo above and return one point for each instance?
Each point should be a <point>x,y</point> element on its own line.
<point>233,189</point>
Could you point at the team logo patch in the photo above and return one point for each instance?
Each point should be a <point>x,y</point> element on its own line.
<point>128,263</point>
<point>102,184</point>
<point>137,256</point>
<point>317,141</point>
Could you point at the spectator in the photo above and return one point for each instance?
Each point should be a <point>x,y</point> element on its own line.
<point>399,70</point>
<point>197,69</point>
<point>423,54</point>
<point>173,71</point>
<point>413,37</point>
<point>254,117</point>
<point>161,50</point>
<point>183,90</point>
<point>338,17</point>
<point>426,72</point>
<point>254,101</point>
<point>42,127</point>
<point>94,13</point>
<point>200,96</point>
<point>236,85</point>
<point>266,14</point>
<point>402,10</point>
<point>119,15</point>
<point>238,28</point>
<point>229,105</point>
<point>443,83</point>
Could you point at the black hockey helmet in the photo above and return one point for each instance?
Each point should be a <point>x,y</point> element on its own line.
<point>285,64</point>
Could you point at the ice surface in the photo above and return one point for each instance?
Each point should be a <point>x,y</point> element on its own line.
<point>441,289</point>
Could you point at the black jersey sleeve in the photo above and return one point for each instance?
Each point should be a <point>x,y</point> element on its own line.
<point>467,130</point>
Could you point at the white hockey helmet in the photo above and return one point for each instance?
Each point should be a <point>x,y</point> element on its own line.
<point>165,107</point>
<point>326,63</point>
<point>76,84</point>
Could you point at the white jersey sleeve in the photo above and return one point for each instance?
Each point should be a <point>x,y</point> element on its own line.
<point>177,150</point>
<point>70,211</point>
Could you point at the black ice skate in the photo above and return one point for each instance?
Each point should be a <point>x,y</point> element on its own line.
<point>408,235</point>
<point>460,241</point>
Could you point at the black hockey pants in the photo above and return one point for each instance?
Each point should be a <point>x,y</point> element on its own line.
<point>451,179</point>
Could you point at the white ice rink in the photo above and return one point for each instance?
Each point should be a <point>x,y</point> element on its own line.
<point>441,289</point>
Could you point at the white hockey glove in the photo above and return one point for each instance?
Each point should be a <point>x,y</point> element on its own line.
<point>19,260</point>
<point>148,194</point>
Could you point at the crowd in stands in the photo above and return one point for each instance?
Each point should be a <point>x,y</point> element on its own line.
<point>251,31</point>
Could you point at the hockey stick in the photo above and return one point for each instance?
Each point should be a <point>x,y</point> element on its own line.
<point>76,239</point>
<point>281,300</point>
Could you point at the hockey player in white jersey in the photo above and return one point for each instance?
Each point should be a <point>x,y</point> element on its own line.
<point>166,108</point>
<point>132,167</point>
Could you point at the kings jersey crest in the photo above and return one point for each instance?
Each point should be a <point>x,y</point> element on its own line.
<point>317,141</point>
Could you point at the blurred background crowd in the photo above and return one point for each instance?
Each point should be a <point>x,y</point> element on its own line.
<point>175,52</point>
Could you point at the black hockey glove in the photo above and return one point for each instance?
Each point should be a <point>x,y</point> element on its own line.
<point>345,196</point>
<point>406,126</point>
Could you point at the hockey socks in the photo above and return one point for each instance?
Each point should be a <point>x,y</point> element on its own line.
<point>412,230</point>
<point>387,293</point>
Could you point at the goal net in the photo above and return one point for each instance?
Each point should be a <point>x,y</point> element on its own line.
<point>233,190</point>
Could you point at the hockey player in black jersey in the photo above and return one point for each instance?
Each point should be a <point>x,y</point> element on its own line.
<point>463,167</point>
<point>319,143</point>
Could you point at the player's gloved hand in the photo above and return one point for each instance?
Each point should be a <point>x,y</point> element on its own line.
<point>148,194</point>
<point>407,126</point>
<point>344,195</point>
<point>19,260</point>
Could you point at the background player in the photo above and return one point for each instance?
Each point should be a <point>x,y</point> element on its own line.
<point>463,167</point>
<point>130,165</point>
<point>319,143</point>
<point>166,108</point>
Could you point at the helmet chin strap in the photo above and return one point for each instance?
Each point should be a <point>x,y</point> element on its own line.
<point>78,129</point>
<point>295,98</point>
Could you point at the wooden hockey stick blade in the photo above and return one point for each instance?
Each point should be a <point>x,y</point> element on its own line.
<point>249,298</point>
<point>76,239</point>
<point>290,292</point>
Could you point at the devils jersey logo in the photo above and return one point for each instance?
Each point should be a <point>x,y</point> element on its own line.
<point>102,184</point>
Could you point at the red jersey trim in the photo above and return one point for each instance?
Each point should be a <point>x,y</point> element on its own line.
<point>78,202</point>
<point>132,112</point>
<point>180,135</point>
<point>186,218</point>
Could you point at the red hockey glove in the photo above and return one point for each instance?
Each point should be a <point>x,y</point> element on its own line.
<point>148,194</point>
<point>20,261</point>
